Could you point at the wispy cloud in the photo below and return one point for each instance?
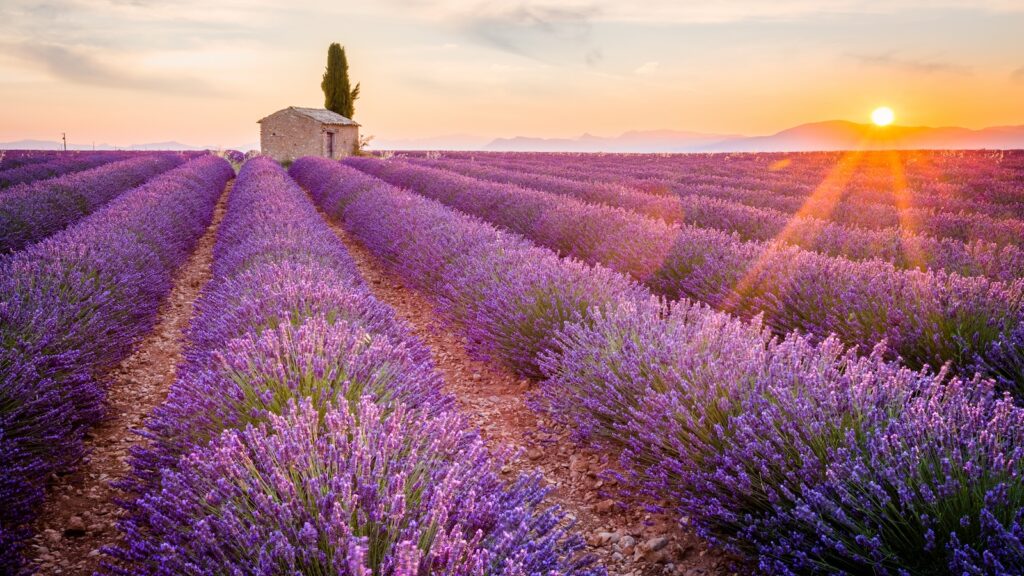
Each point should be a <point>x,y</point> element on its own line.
<point>647,69</point>
<point>908,64</point>
<point>132,24</point>
<point>720,11</point>
<point>1018,75</point>
<point>526,28</point>
<point>80,66</point>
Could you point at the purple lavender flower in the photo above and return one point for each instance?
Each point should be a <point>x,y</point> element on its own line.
<point>927,318</point>
<point>353,490</point>
<point>904,248</point>
<point>53,165</point>
<point>31,212</point>
<point>798,452</point>
<point>71,307</point>
<point>17,158</point>
<point>511,296</point>
<point>307,430</point>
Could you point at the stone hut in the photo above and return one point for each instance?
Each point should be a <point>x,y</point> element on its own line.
<point>295,132</point>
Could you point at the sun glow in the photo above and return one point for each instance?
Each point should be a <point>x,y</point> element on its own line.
<point>883,116</point>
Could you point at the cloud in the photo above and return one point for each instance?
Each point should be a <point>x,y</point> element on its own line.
<point>1018,75</point>
<point>134,24</point>
<point>526,29</point>
<point>720,11</point>
<point>647,69</point>
<point>916,65</point>
<point>79,66</point>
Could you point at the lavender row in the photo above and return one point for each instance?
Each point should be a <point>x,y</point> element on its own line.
<point>962,226</point>
<point>17,158</point>
<point>34,211</point>
<point>899,245</point>
<point>975,182</point>
<point>806,457</point>
<point>902,248</point>
<point>926,317</point>
<point>991,176</point>
<point>665,207</point>
<point>307,431</point>
<point>71,307</point>
<point>828,202</point>
<point>68,163</point>
<point>236,157</point>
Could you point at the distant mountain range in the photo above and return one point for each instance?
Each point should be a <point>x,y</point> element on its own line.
<point>633,141</point>
<point>650,140</point>
<point>831,135</point>
<point>841,135</point>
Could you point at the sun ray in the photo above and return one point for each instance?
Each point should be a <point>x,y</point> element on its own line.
<point>821,203</point>
<point>903,203</point>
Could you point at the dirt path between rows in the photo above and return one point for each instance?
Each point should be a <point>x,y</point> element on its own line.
<point>80,512</point>
<point>627,541</point>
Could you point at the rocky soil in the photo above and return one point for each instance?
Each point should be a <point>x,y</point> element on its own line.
<point>626,539</point>
<point>80,513</point>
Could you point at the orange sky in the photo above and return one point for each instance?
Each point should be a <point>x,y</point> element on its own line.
<point>120,72</point>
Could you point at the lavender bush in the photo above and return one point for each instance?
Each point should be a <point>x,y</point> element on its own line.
<point>17,158</point>
<point>58,165</point>
<point>303,394</point>
<point>236,157</point>
<point>903,248</point>
<point>1005,361</point>
<point>355,490</point>
<point>71,307</point>
<point>801,454</point>
<point>927,318</point>
<point>942,206</point>
<point>878,184</point>
<point>661,206</point>
<point>34,211</point>
<point>511,295</point>
<point>285,289</point>
<point>807,457</point>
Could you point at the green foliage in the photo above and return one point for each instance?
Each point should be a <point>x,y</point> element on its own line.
<point>363,145</point>
<point>339,96</point>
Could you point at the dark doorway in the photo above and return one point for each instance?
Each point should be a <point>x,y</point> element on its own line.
<point>330,144</point>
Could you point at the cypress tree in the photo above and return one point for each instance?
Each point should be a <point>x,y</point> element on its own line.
<point>338,95</point>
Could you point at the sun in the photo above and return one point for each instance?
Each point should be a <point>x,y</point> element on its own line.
<point>883,116</point>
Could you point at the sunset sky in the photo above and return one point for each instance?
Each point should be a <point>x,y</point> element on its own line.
<point>134,71</point>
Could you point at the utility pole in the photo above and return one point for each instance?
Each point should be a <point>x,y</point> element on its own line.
<point>64,138</point>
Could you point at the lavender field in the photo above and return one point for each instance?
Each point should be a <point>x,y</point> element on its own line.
<point>765,363</point>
